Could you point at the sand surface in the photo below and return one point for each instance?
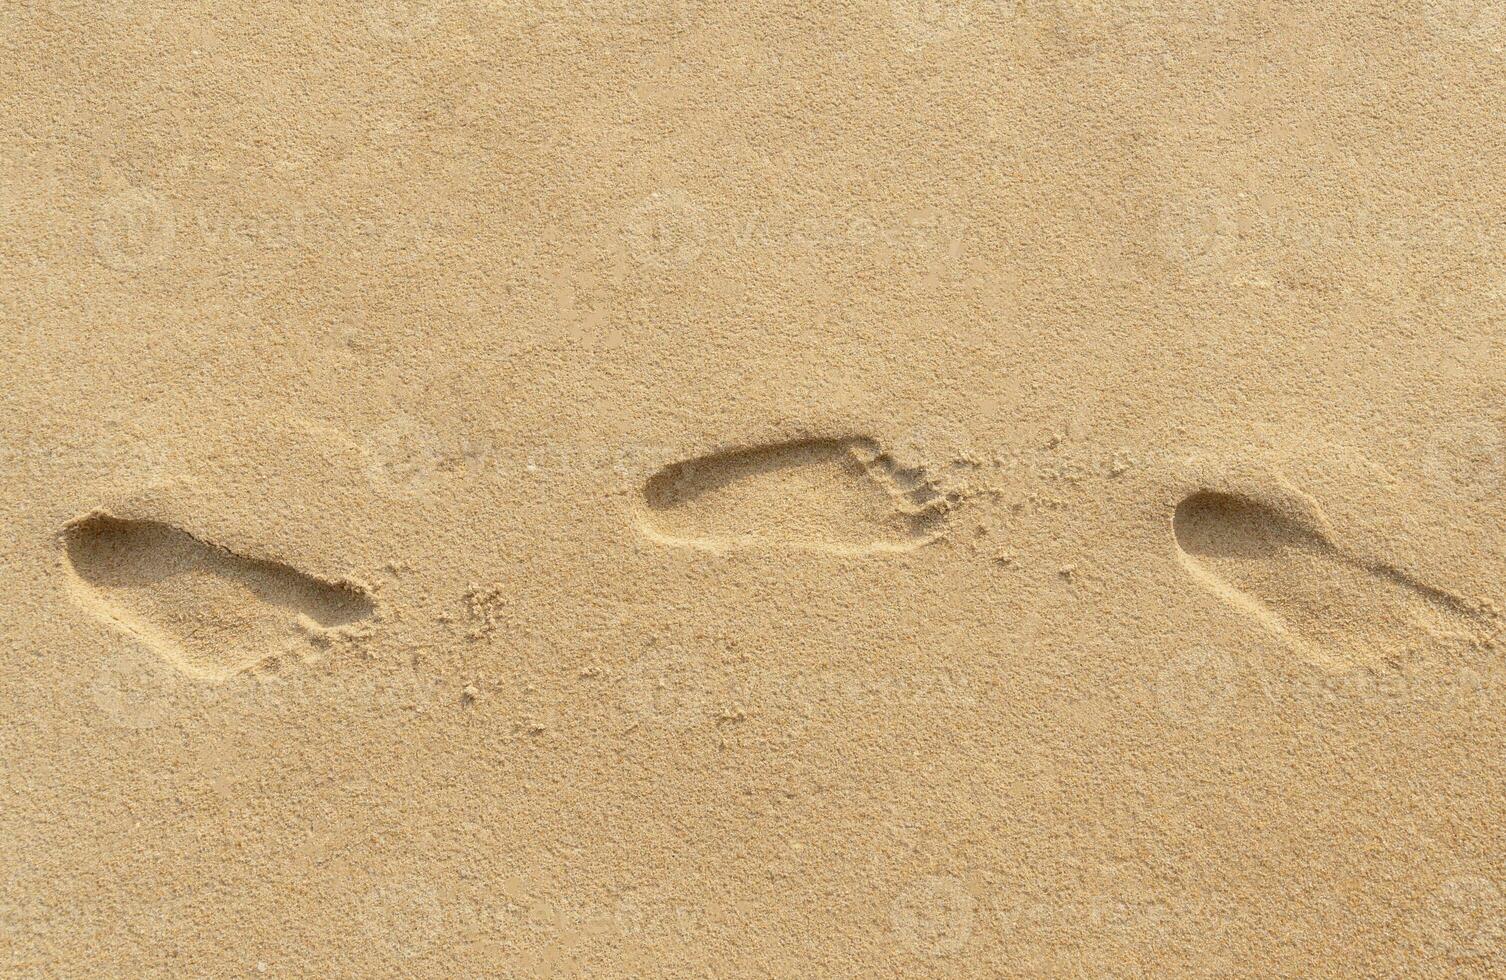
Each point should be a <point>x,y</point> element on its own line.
<point>640,488</point>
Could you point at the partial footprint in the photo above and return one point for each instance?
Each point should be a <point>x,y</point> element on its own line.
<point>1285,570</point>
<point>837,495</point>
<point>208,611</point>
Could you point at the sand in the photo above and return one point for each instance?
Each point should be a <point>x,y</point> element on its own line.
<point>638,488</point>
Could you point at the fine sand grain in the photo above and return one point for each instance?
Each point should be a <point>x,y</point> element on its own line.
<point>641,488</point>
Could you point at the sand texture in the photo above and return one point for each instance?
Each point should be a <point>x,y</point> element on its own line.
<point>859,488</point>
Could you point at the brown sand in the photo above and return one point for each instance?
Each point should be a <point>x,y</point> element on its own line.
<point>636,488</point>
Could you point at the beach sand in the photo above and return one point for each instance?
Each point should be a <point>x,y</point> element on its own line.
<point>639,488</point>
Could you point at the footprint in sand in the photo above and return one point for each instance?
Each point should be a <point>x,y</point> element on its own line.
<point>843,496</point>
<point>209,612</point>
<point>1286,571</point>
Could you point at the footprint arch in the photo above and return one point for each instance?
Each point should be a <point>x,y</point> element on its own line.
<point>842,495</point>
<point>205,609</point>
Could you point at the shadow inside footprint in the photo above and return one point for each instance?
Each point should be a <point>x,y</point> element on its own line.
<point>207,610</point>
<point>840,495</point>
<point>1288,574</point>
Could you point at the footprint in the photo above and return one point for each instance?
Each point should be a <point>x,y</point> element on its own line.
<point>1285,570</point>
<point>206,610</point>
<point>844,496</point>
